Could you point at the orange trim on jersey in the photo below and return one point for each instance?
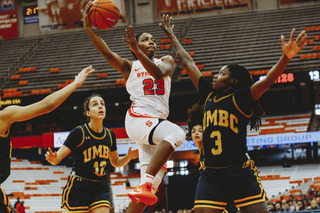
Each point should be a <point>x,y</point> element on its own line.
<point>134,114</point>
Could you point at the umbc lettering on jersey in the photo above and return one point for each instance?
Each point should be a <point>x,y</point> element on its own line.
<point>222,118</point>
<point>91,153</point>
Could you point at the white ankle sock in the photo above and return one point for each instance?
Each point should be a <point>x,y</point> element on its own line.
<point>147,178</point>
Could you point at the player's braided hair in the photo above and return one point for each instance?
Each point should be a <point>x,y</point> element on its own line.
<point>244,80</point>
<point>86,104</point>
<point>195,116</point>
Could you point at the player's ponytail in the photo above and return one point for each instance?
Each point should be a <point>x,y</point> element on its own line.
<point>244,80</point>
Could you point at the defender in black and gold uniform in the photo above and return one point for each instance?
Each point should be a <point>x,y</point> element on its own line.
<point>94,148</point>
<point>5,162</point>
<point>13,113</point>
<point>230,104</point>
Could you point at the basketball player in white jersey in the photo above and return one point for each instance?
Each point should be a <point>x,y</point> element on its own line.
<point>148,81</point>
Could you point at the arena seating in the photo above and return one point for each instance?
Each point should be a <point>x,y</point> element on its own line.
<point>278,180</point>
<point>251,39</point>
<point>282,124</point>
<point>63,55</point>
<point>40,187</point>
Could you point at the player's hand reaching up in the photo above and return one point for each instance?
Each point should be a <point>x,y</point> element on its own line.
<point>133,154</point>
<point>82,76</point>
<point>293,47</point>
<point>167,25</point>
<point>86,22</point>
<point>131,39</point>
<point>51,157</point>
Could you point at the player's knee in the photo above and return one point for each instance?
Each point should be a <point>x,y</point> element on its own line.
<point>178,138</point>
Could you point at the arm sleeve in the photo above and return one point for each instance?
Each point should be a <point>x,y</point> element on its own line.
<point>244,100</point>
<point>205,87</point>
<point>114,142</point>
<point>74,138</point>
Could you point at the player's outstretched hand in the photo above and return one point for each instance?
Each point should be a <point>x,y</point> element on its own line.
<point>131,39</point>
<point>167,25</point>
<point>82,76</point>
<point>133,154</point>
<point>293,47</point>
<point>51,157</point>
<point>86,22</point>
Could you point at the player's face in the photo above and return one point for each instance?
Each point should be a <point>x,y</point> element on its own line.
<point>222,81</point>
<point>97,109</point>
<point>147,44</point>
<point>196,135</point>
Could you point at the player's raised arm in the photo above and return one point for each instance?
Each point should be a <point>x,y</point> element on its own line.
<point>123,65</point>
<point>14,113</point>
<point>290,50</point>
<point>145,56</point>
<point>186,60</point>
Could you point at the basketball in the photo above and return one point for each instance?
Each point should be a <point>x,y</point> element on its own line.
<point>104,14</point>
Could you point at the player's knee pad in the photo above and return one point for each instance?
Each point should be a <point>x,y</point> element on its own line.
<point>177,138</point>
<point>170,132</point>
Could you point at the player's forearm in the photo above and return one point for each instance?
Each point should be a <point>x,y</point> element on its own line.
<point>277,70</point>
<point>55,99</point>
<point>122,161</point>
<point>183,56</point>
<point>186,61</point>
<point>98,42</point>
<point>149,65</point>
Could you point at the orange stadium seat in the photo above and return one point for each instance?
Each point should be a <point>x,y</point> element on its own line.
<point>165,46</point>
<point>15,77</point>
<point>23,82</point>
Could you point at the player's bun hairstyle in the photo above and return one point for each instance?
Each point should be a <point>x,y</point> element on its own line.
<point>86,104</point>
<point>195,117</point>
<point>245,80</point>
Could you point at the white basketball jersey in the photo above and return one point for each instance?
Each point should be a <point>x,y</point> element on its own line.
<point>150,97</point>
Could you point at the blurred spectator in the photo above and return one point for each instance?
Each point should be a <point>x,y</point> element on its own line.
<point>278,207</point>
<point>287,206</point>
<point>270,206</point>
<point>300,205</point>
<point>313,205</point>
<point>20,207</point>
<point>16,203</point>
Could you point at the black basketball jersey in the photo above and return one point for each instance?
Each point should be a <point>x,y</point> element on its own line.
<point>201,155</point>
<point>91,151</point>
<point>225,125</point>
<point>5,157</point>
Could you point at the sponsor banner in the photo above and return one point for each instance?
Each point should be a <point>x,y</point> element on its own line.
<point>59,138</point>
<point>8,19</point>
<point>188,145</point>
<point>284,138</point>
<point>285,2</point>
<point>30,14</point>
<point>65,14</point>
<point>189,7</point>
